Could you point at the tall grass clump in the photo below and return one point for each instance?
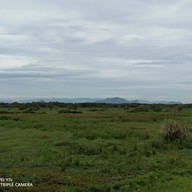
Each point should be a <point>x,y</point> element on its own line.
<point>173,131</point>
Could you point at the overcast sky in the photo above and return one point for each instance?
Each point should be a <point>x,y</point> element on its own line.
<point>135,49</point>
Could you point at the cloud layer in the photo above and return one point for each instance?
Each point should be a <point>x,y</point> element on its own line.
<point>59,48</point>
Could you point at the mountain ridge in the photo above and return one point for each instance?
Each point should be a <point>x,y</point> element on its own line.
<point>109,100</point>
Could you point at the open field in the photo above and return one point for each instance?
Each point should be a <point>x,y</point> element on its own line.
<point>94,149</point>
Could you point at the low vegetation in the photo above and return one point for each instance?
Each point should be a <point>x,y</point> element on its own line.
<point>96,147</point>
<point>173,131</point>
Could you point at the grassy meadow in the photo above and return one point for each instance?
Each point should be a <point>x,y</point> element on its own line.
<point>94,149</point>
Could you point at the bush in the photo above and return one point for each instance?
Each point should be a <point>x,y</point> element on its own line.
<point>173,131</point>
<point>68,111</point>
<point>141,108</point>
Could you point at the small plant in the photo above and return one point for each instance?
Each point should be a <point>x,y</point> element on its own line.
<point>77,163</point>
<point>180,108</point>
<point>22,158</point>
<point>173,131</point>
<point>135,148</point>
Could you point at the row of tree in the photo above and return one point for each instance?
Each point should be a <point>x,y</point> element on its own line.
<point>74,106</point>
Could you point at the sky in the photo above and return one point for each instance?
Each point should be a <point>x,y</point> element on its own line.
<point>135,49</point>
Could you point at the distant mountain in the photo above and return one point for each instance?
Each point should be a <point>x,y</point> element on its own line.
<point>118,100</point>
<point>6,100</point>
<point>62,100</point>
<point>167,102</point>
<point>112,100</point>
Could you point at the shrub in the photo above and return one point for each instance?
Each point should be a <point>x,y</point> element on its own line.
<point>141,108</point>
<point>180,108</point>
<point>173,131</point>
<point>156,108</point>
<point>69,111</point>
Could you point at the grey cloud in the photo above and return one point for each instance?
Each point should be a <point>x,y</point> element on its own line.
<point>101,47</point>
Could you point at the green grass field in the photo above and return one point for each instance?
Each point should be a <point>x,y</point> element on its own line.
<point>94,150</point>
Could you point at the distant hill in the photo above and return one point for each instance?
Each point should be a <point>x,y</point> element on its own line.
<point>112,100</point>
